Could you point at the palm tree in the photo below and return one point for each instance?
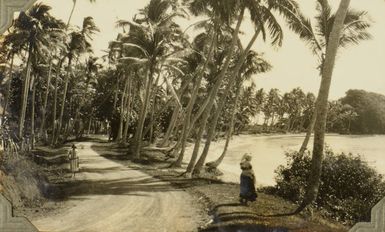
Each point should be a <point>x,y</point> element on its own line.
<point>317,38</point>
<point>335,39</point>
<point>272,104</point>
<point>199,47</point>
<point>56,46</point>
<point>78,44</point>
<point>190,69</point>
<point>73,9</point>
<point>30,31</point>
<point>220,15</point>
<point>224,11</point>
<point>253,64</point>
<point>260,15</point>
<point>90,70</point>
<point>148,44</point>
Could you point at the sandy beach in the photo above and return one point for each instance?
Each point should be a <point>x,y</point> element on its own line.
<point>268,152</point>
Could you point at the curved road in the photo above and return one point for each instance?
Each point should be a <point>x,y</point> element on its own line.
<point>107,196</point>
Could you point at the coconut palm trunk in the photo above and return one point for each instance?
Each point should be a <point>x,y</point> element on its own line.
<point>214,92</point>
<point>151,124</point>
<point>128,110</point>
<point>322,106</point>
<point>66,82</point>
<point>116,92</point>
<point>122,111</point>
<point>72,12</point>
<point>211,131</point>
<point>175,114</point>
<point>24,96</point>
<point>222,102</point>
<point>45,102</point>
<point>143,112</point>
<point>187,123</point>
<point>32,141</point>
<point>171,126</point>
<point>182,140</point>
<point>230,130</point>
<point>77,118</point>
<point>187,126</point>
<point>309,131</point>
<point>186,130</point>
<point>54,109</point>
<point>90,123</point>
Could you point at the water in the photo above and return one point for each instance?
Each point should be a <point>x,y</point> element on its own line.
<point>268,152</point>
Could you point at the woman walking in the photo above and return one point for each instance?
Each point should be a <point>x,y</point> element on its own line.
<point>247,186</point>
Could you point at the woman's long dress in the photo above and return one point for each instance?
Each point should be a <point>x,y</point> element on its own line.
<point>247,186</point>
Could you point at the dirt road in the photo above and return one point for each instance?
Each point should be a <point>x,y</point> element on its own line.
<point>107,196</point>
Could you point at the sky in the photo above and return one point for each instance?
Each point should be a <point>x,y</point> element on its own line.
<point>357,67</point>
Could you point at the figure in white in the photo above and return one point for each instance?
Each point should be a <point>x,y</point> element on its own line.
<point>74,160</point>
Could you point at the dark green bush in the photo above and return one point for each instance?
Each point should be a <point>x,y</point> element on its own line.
<point>349,186</point>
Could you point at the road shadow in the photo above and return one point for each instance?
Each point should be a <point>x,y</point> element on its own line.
<point>123,186</point>
<point>108,180</point>
<point>121,155</point>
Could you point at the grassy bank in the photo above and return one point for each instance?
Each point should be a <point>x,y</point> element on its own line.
<point>28,180</point>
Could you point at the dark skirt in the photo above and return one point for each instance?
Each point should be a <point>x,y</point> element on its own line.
<point>247,188</point>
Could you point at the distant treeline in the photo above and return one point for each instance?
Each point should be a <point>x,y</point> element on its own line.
<point>359,112</point>
<point>369,109</point>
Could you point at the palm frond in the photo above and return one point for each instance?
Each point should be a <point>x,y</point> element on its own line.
<point>356,27</point>
<point>303,28</point>
<point>274,27</point>
<point>174,68</point>
<point>143,50</point>
<point>89,27</point>
<point>322,18</point>
<point>258,16</point>
<point>135,60</point>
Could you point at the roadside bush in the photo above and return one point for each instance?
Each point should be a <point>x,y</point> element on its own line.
<point>349,186</point>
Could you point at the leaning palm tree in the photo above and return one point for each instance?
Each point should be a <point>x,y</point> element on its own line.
<point>219,16</point>
<point>73,10</point>
<point>253,65</point>
<point>317,37</point>
<point>226,12</point>
<point>195,58</point>
<point>260,14</point>
<point>339,29</point>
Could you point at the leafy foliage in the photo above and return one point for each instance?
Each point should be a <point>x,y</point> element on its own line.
<point>349,186</point>
<point>370,110</point>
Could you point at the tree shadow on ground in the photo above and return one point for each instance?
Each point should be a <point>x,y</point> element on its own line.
<point>119,154</point>
<point>97,139</point>
<point>122,186</point>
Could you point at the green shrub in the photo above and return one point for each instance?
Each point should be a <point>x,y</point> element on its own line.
<point>349,186</point>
